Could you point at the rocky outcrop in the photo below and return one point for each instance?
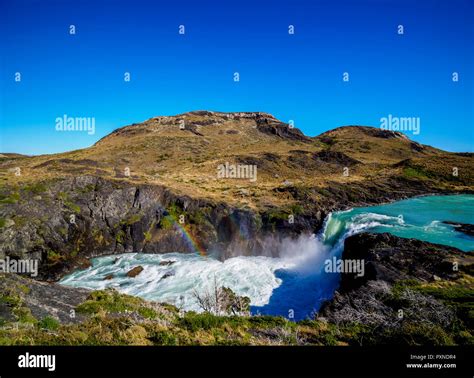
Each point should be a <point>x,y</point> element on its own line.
<point>465,228</point>
<point>75,219</point>
<point>280,129</point>
<point>40,299</point>
<point>335,157</point>
<point>407,283</point>
<point>390,258</point>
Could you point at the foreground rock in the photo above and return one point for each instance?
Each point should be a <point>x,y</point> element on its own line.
<point>132,273</point>
<point>22,297</point>
<point>412,291</point>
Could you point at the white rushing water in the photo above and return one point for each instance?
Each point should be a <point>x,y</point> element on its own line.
<point>296,281</point>
<point>176,277</point>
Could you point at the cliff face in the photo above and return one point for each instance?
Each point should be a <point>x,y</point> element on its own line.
<point>390,259</point>
<point>410,290</point>
<point>77,218</point>
<point>153,187</point>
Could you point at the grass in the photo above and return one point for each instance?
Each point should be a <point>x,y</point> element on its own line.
<point>147,235</point>
<point>10,199</point>
<point>132,219</point>
<point>49,323</point>
<point>118,319</point>
<point>53,257</point>
<point>73,207</point>
<point>414,173</point>
<point>35,188</point>
<point>110,301</point>
<point>62,196</point>
<point>195,322</point>
<point>166,222</point>
<point>120,236</point>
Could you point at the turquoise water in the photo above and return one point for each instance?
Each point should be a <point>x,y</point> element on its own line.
<point>295,282</point>
<point>419,218</point>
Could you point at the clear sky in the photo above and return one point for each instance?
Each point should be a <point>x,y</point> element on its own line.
<point>294,77</point>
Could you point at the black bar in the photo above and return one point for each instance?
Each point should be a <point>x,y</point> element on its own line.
<point>380,361</point>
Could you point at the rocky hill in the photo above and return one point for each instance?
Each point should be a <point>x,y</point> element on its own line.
<point>155,187</point>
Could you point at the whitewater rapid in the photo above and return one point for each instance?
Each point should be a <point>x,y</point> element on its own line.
<point>294,283</point>
<point>176,277</point>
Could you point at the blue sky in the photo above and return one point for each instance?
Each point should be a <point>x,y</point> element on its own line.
<point>294,77</point>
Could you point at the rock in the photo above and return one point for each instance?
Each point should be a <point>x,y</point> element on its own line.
<point>271,126</point>
<point>43,298</point>
<point>335,157</point>
<point>135,271</point>
<point>109,277</point>
<point>389,260</point>
<point>166,275</point>
<point>166,263</point>
<point>83,263</point>
<point>243,192</point>
<point>465,228</point>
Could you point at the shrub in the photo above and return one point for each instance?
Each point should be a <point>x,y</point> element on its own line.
<point>49,323</point>
<point>205,321</point>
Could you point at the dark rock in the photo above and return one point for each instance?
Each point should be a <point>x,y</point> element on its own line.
<point>335,157</point>
<point>46,299</point>
<point>389,260</point>
<point>166,275</point>
<point>166,263</point>
<point>135,271</point>
<point>271,126</point>
<point>465,228</point>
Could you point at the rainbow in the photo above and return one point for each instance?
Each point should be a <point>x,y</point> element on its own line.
<point>192,242</point>
<point>195,245</point>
